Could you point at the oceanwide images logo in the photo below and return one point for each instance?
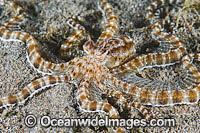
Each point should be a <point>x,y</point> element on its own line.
<point>47,121</point>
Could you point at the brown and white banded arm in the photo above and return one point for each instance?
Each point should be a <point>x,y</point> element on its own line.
<point>169,38</point>
<point>121,101</point>
<point>153,13</point>
<point>34,56</point>
<point>70,48</point>
<point>94,106</point>
<point>150,60</point>
<point>20,15</point>
<point>32,88</point>
<point>111,26</point>
<point>157,97</point>
<point>187,63</point>
<point>155,59</point>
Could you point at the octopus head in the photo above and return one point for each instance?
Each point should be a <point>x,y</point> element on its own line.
<point>92,49</point>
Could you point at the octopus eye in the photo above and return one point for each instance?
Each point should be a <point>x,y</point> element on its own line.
<point>89,46</point>
<point>104,51</point>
